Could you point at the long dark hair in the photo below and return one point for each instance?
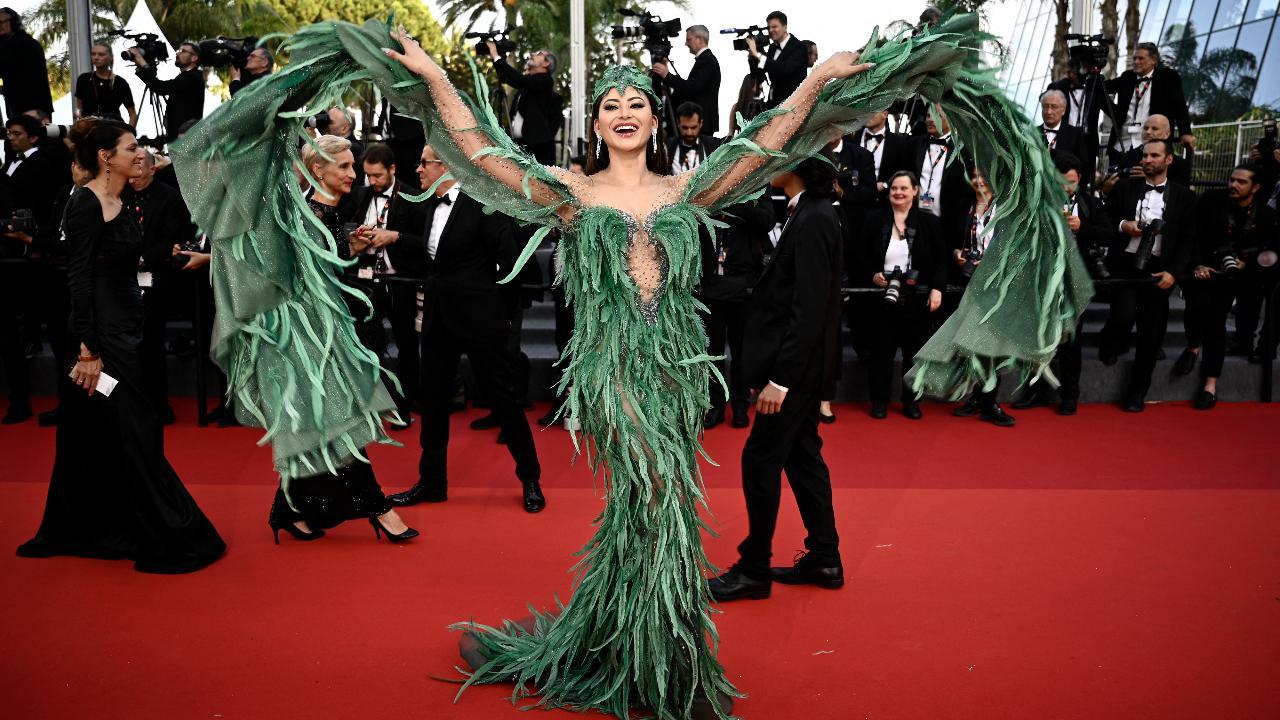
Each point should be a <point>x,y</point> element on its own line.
<point>89,135</point>
<point>656,161</point>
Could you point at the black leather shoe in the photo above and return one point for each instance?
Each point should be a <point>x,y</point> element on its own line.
<point>534,501</point>
<point>826,419</point>
<point>735,585</point>
<point>1186,362</point>
<point>806,572</point>
<point>1067,407</point>
<point>16,414</point>
<point>1134,404</point>
<point>740,418</point>
<point>714,417</point>
<point>1205,400</point>
<point>971,407</point>
<point>488,422</point>
<point>997,416</point>
<point>912,410</point>
<point>879,411</point>
<point>502,437</point>
<point>1030,400</point>
<point>420,493</point>
<point>48,419</point>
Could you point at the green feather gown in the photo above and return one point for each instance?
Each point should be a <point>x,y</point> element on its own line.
<point>637,632</point>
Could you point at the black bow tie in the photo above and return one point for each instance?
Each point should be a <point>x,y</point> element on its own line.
<point>444,199</point>
<point>939,141</point>
<point>879,136</point>
<point>1047,131</point>
<point>1144,79</point>
<point>1157,188</point>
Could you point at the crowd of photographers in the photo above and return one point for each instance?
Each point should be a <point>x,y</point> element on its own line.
<point>914,224</point>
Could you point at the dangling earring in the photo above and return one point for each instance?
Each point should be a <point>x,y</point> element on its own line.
<point>655,138</point>
<point>599,144</point>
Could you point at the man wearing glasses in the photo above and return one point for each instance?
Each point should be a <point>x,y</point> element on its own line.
<point>259,64</point>
<point>185,92</point>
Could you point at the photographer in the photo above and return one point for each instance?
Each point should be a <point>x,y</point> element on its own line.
<point>1148,89</point>
<point>1154,240</point>
<point>1265,157</point>
<point>536,110</point>
<point>1093,230</point>
<point>1130,163</point>
<point>32,176</point>
<point>943,190</point>
<point>23,72</point>
<point>692,147</point>
<point>258,65</point>
<point>904,244</point>
<point>102,93</point>
<point>891,151</point>
<point>393,228</point>
<point>785,62</point>
<point>1232,229</point>
<point>703,84</point>
<point>185,92</point>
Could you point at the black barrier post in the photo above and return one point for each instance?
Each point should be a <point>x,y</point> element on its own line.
<point>202,354</point>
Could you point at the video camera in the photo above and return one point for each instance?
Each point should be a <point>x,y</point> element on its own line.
<point>761,34</point>
<point>653,32</point>
<point>224,51</point>
<point>154,50</point>
<point>501,38</point>
<point>1090,55</point>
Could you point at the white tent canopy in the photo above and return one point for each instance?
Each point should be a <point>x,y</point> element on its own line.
<point>141,21</point>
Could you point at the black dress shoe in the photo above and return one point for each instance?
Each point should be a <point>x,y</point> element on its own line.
<point>48,419</point>
<point>912,410</point>
<point>997,416</point>
<point>1205,400</point>
<point>735,585</point>
<point>971,407</point>
<point>488,422</point>
<point>1067,407</point>
<point>1134,404</point>
<point>879,411</point>
<point>826,419</point>
<point>714,417</point>
<point>534,501</point>
<point>740,418</point>
<point>1030,400</point>
<point>806,572</point>
<point>1186,362</point>
<point>16,414</point>
<point>420,493</point>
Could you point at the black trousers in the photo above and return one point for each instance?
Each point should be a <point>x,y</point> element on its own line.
<point>1216,296</point>
<point>12,341</point>
<point>1148,307</point>
<point>1251,293</point>
<point>1070,360</point>
<point>492,365</point>
<point>906,326</point>
<point>397,302</point>
<point>726,323</point>
<point>787,440</point>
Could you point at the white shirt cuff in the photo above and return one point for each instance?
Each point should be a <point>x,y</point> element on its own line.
<point>779,387</point>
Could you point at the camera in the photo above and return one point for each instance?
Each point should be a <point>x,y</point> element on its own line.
<point>653,32</point>
<point>972,257</point>
<point>761,35</point>
<point>57,132</point>
<point>897,278</point>
<point>501,38</point>
<point>1147,243</point>
<point>154,50</point>
<point>320,121</point>
<point>1089,56</point>
<point>21,222</point>
<point>1233,261</point>
<point>221,52</point>
<point>1096,259</point>
<point>179,260</point>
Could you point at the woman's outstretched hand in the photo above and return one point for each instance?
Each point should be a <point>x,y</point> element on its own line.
<point>843,65</point>
<point>414,58</point>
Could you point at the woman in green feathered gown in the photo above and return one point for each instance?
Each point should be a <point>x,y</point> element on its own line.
<point>636,634</point>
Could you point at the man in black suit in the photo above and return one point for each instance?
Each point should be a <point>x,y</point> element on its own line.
<point>691,147</point>
<point>23,70</point>
<point>703,84</point>
<point>258,65</point>
<point>890,151</point>
<point>790,357</point>
<point>1060,135</point>
<point>396,247</point>
<point>785,62</point>
<point>1148,89</point>
<point>1130,163</point>
<point>1137,203</point>
<point>165,221</point>
<point>537,107</point>
<point>944,191</point>
<point>32,175</point>
<point>464,311</point>
<point>185,92</point>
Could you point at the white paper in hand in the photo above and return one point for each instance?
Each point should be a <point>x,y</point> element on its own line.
<point>106,384</point>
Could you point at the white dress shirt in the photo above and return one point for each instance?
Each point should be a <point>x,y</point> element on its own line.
<point>440,218</point>
<point>875,145</point>
<point>777,47</point>
<point>1139,110</point>
<point>935,167</point>
<point>1076,107</point>
<point>1150,207</point>
<point>1051,135</point>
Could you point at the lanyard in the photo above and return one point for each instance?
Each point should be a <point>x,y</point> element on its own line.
<point>933,165</point>
<point>1139,92</point>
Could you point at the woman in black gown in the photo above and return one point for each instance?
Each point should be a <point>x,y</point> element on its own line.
<point>327,499</point>
<point>113,494</point>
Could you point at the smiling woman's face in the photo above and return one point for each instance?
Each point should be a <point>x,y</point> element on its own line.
<point>625,121</point>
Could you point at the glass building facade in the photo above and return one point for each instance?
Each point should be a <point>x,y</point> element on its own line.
<point>1227,52</point>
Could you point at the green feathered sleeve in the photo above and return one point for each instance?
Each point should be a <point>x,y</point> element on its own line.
<point>283,332</point>
<point>1030,290</point>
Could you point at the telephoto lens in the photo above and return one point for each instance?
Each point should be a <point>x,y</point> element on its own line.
<point>1230,264</point>
<point>894,291</point>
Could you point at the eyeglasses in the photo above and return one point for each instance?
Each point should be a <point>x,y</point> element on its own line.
<point>424,163</point>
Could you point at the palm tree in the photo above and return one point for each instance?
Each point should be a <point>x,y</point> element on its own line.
<point>1060,53</point>
<point>1110,24</point>
<point>1132,28</point>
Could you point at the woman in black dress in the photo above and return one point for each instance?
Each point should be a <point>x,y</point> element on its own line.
<point>327,499</point>
<point>113,494</point>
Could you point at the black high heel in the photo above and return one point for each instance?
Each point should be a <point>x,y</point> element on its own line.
<point>294,531</point>
<point>378,530</point>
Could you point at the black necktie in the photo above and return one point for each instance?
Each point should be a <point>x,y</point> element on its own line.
<point>1157,188</point>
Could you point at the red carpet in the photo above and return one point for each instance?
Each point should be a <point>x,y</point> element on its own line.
<point>991,574</point>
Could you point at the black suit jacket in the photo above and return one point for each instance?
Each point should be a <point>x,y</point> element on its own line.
<point>1167,99</point>
<point>409,253</point>
<point>795,307</point>
<point>49,241</point>
<point>165,222</point>
<point>706,145</point>
<point>25,75</point>
<point>857,198</point>
<point>786,73</point>
<point>477,250</point>
<point>536,100</point>
<point>1178,241</point>
<point>898,153</point>
<point>702,87</point>
<point>1213,236</point>
<point>32,182</point>
<point>1070,139</point>
<point>928,248</point>
<point>1096,226</point>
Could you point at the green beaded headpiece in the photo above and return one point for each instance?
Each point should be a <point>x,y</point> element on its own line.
<point>621,77</point>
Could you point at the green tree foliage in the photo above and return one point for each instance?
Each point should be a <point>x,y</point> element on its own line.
<point>1219,86</point>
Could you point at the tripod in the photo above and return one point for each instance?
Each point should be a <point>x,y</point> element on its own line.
<point>157,106</point>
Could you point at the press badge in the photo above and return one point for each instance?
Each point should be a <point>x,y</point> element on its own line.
<point>145,280</point>
<point>926,202</point>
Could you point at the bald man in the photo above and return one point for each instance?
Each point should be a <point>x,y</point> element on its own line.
<point>1156,127</point>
